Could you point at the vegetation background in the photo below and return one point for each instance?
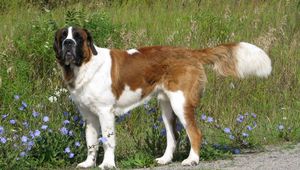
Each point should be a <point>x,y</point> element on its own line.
<point>41,128</point>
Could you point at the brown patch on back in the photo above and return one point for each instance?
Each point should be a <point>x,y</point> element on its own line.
<point>137,71</point>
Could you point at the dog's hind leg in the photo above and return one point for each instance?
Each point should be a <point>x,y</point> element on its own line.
<point>185,113</point>
<point>170,123</point>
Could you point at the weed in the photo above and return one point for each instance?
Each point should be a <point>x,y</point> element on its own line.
<point>138,160</point>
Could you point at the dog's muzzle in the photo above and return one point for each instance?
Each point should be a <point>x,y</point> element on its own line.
<point>69,51</point>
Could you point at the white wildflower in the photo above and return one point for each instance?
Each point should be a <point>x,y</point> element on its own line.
<point>52,99</point>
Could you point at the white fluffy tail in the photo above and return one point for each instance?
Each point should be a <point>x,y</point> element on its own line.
<point>252,60</point>
<point>239,60</point>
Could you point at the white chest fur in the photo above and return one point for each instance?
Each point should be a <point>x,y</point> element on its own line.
<point>93,83</point>
<point>93,87</point>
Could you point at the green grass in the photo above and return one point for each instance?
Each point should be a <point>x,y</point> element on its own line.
<point>28,68</point>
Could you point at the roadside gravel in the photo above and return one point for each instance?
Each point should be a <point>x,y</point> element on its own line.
<point>273,158</point>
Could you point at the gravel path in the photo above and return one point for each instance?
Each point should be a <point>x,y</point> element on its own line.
<point>274,158</point>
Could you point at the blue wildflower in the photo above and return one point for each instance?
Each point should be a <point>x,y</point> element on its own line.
<point>231,137</point>
<point>31,134</point>
<point>1,130</point>
<point>254,124</point>
<point>21,108</point>
<point>249,128</point>
<point>24,104</point>
<point>71,155</point>
<point>30,144</point>
<point>253,115</point>
<point>66,122</point>
<point>37,133</point>
<point>4,116</point>
<point>102,140</point>
<point>210,119</point>
<point>280,127</point>
<point>81,122</point>
<point>23,154</point>
<point>25,124</point>
<point>67,150</point>
<point>77,144</point>
<point>3,140</point>
<point>240,118</point>
<point>35,114</point>
<point>17,97</point>
<point>75,118</point>
<point>163,132</point>
<point>66,114</point>
<point>227,130</point>
<point>24,139</point>
<point>64,131</point>
<point>245,135</point>
<point>44,127</point>
<point>12,121</point>
<point>46,119</point>
<point>203,117</point>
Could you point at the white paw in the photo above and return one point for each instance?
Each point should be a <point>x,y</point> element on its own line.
<point>163,160</point>
<point>107,165</point>
<point>190,162</point>
<point>86,164</point>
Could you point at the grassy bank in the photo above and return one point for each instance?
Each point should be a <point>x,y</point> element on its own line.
<point>30,80</point>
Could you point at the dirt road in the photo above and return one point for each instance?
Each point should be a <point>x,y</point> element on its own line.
<point>273,158</point>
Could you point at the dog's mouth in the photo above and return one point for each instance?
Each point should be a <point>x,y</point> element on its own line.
<point>69,57</point>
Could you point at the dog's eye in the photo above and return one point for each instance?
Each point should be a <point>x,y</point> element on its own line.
<point>77,36</point>
<point>64,34</point>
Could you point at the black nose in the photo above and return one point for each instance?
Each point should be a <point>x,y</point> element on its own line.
<point>69,43</point>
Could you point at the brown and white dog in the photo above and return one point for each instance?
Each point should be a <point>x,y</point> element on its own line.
<point>108,82</point>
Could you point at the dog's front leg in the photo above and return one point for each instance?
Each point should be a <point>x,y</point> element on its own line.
<point>92,133</point>
<point>107,122</point>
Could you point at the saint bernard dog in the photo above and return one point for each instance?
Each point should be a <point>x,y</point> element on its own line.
<point>107,82</point>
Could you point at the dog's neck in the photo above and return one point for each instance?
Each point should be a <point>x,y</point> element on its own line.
<point>77,76</point>
<point>69,75</point>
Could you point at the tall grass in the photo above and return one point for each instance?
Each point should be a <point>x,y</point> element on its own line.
<point>27,68</point>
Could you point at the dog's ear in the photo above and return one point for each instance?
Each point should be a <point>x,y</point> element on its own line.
<point>90,42</point>
<point>56,45</point>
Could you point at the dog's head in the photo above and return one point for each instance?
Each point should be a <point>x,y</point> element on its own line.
<point>73,46</point>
